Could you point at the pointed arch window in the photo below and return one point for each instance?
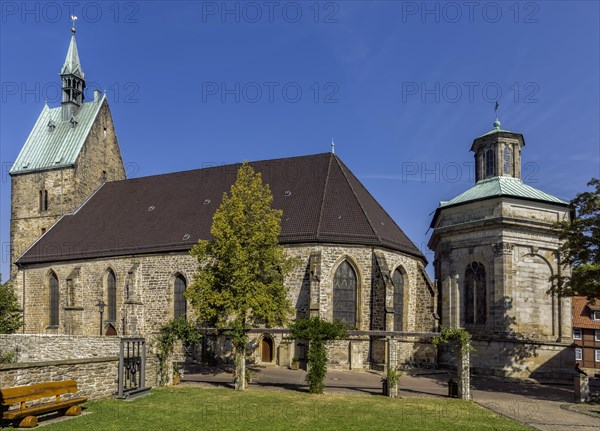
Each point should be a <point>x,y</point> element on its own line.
<point>490,163</point>
<point>179,303</point>
<point>344,294</point>
<point>398,281</point>
<point>475,294</point>
<point>53,299</point>
<point>111,294</point>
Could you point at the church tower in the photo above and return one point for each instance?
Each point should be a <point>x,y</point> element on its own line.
<point>70,152</point>
<point>495,251</point>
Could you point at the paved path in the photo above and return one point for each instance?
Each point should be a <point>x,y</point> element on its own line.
<point>538,406</point>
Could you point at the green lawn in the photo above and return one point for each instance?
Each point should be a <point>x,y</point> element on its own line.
<point>192,408</point>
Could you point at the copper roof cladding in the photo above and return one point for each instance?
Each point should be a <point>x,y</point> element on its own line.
<point>322,202</point>
<point>582,313</point>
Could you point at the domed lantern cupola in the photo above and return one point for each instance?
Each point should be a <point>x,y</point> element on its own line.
<point>498,153</point>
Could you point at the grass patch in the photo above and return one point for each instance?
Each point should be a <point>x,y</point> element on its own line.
<point>192,408</point>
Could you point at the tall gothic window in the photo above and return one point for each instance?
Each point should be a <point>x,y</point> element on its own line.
<point>490,164</point>
<point>180,305</point>
<point>111,293</point>
<point>398,281</point>
<point>344,294</point>
<point>53,299</point>
<point>507,168</point>
<point>475,294</point>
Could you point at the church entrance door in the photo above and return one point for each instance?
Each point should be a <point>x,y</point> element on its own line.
<point>267,349</point>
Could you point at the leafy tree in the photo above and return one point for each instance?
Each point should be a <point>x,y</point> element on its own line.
<point>318,333</point>
<point>240,279</point>
<point>581,247</point>
<point>175,329</point>
<point>11,316</point>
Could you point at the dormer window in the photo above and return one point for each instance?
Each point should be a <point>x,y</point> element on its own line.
<point>51,126</point>
<point>596,315</point>
<point>73,122</point>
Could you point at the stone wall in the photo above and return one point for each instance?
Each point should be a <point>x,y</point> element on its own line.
<point>145,293</point>
<point>523,359</point>
<point>145,290</point>
<point>43,348</point>
<point>91,361</point>
<point>96,378</point>
<point>517,359</point>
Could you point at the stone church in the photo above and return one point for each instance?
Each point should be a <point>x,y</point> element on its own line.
<point>495,251</point>
<point>82,234</point>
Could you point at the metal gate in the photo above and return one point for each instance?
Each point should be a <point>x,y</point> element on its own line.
<point>132,368</point>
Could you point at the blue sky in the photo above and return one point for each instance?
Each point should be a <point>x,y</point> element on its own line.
<point>402,87</point>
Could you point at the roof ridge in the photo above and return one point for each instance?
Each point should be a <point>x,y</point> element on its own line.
<point>323,198</point>
<point>187,171</point>
<point>360,204</point>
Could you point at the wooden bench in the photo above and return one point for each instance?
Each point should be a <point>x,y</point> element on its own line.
<point>27,415</point>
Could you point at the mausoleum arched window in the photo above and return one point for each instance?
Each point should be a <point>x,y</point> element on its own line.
<point>475,301</point>
<point>344,294</point>
<point>179,303</point>
<point>53,299</point>
<point>111,294</point>
<point>398,282</point>
<point>490,163</point>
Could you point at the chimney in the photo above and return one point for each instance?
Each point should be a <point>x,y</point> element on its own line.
<point>97,95</point>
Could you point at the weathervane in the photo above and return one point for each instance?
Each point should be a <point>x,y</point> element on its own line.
<point>497,122</point>
<point>73,19</point>
<point>332,146</point>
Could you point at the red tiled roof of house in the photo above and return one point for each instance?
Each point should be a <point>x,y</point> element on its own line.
<point>582,314</point>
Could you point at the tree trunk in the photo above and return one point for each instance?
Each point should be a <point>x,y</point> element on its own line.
<point>240,383</point>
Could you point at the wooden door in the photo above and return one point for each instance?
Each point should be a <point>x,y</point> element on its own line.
<point>267,349</point>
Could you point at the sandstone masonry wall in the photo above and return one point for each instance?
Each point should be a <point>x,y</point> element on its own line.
<point>91,361</point>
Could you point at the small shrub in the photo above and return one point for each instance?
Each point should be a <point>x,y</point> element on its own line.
<point>8,357</point>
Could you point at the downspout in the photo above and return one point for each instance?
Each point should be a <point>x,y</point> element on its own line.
<point>559,298</point>
<point>23,302</point>
<point>62,192</point>
<point>370,355</point>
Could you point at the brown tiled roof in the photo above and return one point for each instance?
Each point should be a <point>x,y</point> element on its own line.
<point>582,314</point>
<point>321,199</point>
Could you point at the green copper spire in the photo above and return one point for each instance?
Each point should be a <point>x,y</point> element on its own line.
<point>73,79</point>
<point>72,65</point>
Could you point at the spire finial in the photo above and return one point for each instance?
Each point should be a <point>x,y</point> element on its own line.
<point>497,122</point>
<point>332,146</point>
<point>73,19</point>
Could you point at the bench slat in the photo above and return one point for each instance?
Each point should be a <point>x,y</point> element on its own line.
<point>35,392</point>
<point>42,408</point>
